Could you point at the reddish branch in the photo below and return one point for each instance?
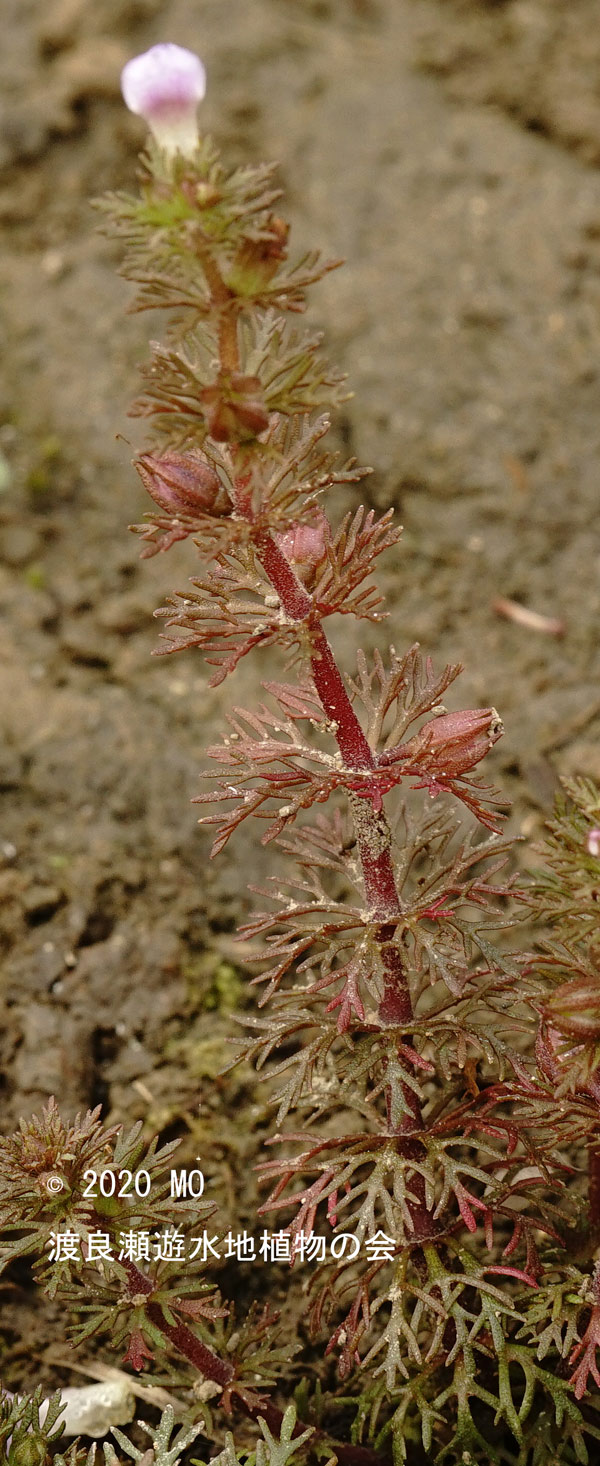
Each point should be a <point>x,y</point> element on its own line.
<point>223,1373</point>
<point>372,829</point>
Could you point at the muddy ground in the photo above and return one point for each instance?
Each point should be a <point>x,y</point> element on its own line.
<point>450,152</point>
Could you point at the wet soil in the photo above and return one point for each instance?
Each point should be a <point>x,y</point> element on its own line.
<point>449,151</point>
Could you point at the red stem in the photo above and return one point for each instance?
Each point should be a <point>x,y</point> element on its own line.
<point>223,1373</point>
<point>373,833</point>
<point>209,1364</point>
<point>372,829</point>
<point>298,605</point>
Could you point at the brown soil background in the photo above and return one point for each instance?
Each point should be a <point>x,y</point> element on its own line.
<point>449,152</point>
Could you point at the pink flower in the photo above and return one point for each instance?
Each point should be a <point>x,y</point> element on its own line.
<point>165,85</point>
<point>593,841</point>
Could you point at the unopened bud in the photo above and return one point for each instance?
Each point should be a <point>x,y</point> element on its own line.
<point>206,195</point>
<point>306,544</point>
<point>164,86</point>
<point>235,408</point>
<point>574,1009</point>
<point>461,739</point>
<point>257,260</point>
<point>182,483</point>
<point>593,842</point>
<point>451,744</point>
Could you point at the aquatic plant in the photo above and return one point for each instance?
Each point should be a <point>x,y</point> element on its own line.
<point>434,1091</point>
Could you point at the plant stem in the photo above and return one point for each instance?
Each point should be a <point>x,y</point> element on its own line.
<point>209,1364</point>
<point>223,303</point>
<point>223,1373</point>
<point>373,834</point>
<point>372,829</point>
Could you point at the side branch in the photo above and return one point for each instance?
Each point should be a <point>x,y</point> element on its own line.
<point>222,1373</point>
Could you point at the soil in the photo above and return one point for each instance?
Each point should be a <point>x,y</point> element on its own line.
<point>449,151</point>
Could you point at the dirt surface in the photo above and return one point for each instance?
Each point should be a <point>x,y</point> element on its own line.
<point>449,151</point>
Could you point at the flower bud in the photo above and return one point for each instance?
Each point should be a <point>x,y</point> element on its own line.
<point>460,740</point>
<point>451,744</point>
<point>257,260</point>
<point>306,544</point>
<point>182,483</point>
<point>593,842</point>
<point>164,86</point>
<point>574,1009</point>
<point>235,408</point>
